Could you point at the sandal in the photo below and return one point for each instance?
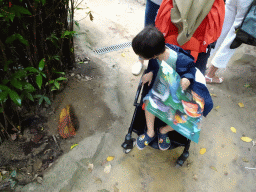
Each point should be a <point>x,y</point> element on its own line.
<point>164,142</point>
<point>143,140</point>
<point>211,80</point>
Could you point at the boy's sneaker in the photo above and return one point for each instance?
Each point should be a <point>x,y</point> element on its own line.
<point>143,140</point>
<point>136,68</point>
<point>164,142</point>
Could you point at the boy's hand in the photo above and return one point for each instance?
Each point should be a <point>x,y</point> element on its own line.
<point>184,83</point>
<point>147,78</point>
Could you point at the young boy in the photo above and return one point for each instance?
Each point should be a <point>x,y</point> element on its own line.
<point>150,45</point>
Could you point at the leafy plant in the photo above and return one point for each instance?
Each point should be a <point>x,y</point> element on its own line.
<point>56,84</point>
<point>68,34</point>
<point>31,30</point>
<point>42,98</point>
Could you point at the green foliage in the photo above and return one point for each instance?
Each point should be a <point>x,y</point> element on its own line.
<point>36,49</point>
<point>56,84</point>
<point>68,34</point>
<point>77,24</point>
<point>54,39</point>
<point>13,37</point>
<point>42,98</point>
<point>6,91</point>
<point>9,13</point>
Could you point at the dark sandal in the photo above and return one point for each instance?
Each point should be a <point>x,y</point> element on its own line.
<point>143,140</point>
<point>164,142</point>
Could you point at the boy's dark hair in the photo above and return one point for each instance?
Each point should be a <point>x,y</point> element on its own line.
<point>149,42</point>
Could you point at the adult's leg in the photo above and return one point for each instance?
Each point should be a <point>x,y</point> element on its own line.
<point>150,15</point>
<point>227,30</point>
<point>230,13</point>
<point>201,61</point>
<point>224,53</point>
<point>150,12</point>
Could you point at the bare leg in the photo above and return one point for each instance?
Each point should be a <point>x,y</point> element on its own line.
<point>150,120</point>
<point>212,71</point>
<point>211,75</point>
<point>166,129</point>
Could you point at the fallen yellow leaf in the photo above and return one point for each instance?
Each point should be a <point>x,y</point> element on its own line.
<point>73,146</point>
<point>214,95</point>
<point>213,168</point>
<point>241,105</point>
<point>217,107</point>
<point>202,151</point>
<point>247,85</point>
<point>246,139</point>
<point>233,129</point>
<point>98,180</point>
<point>123,54</point>
<point>110,158</point>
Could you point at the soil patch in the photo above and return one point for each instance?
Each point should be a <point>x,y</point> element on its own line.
<point>39,145</point>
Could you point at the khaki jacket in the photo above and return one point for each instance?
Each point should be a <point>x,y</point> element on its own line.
<point>187,15</point>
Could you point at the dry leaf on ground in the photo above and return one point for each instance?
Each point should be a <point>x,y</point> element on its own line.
<point>246,139</point>
<point>213,95</point>
<point>123,54</point>
<point>195,177</point>
<point>217,107</point>
<point>90,167</point>
<point>110,158</point>
<point>213,168</point>
<point>14,136</point>
<point>241,105</point>
<point>233,129</point>
<point>245,160</point>
<point>116,189</point>
<point>104,162</point>
<point>107,169</point>
<point>98,180</point>
<point>202,151</point>
<point>73,146</point>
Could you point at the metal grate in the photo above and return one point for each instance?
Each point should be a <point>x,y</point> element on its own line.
<point>112,48</point>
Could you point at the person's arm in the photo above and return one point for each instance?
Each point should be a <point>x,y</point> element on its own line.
<point>147,77</point>
<point>151,72</point>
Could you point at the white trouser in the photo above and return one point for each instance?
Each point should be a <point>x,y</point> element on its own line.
<point>235,11</point>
